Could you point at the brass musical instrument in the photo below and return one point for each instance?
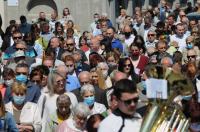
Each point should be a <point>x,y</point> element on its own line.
<point>166,115</point>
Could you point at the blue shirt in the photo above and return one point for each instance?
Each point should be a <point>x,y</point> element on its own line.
<point>72,83</point>
<point>117,44</point>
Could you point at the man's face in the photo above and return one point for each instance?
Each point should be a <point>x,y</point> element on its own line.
<point>16,37</point>
<point>110,33</point>
<point>191,55</point>
<point>162,47</point>
<point>84,79</point>
<point>54,43</point>
<point>69,45</point>
<point>128,102</point>
<point>192,24</point>
<point>37,80</point>
<point>64,108</point>
<point>20,47</point>
<point>180,30</point>
<point>94,44</point>
<point>22,70</point>
<point>151,36</point>
<point>42,15</point>
<point>104,26</point>
<point>48,63</point>
<point>170,20</point>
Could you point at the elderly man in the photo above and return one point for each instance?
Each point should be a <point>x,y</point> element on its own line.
<point>124,118</point>
<point>151,39</point>
<point>84,78</point>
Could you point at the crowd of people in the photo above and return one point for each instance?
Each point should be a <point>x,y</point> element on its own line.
<point>54,77</point>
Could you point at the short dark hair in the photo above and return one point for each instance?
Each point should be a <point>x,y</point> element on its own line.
<point>8,72</point>
<point>124,86</point>
<point>44,69</point>
<point>114,30</point>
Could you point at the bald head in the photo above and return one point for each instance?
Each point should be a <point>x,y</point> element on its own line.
<point>166,62</point>
<point>84,77</point>
<point>119,76</point>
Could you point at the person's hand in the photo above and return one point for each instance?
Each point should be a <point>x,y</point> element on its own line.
<point>25,128</point>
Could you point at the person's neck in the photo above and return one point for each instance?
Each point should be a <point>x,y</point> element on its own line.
<point>63,117</point>
<point>18,107</point>
<point>135,58</point>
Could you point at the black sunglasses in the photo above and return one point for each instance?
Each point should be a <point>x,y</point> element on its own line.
<point>192,56</point>
<point>128,102</point>
<point>20,49</point>
<point>129,65</point>
<point>20,37</point>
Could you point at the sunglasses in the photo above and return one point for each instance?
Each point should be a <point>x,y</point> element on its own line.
<point>19,73</point>
<point>20,37</point>
<point>71,44</point>
<point>128,102</point>
<point>70,65</point>
<point>20,49</point>
<point>128,65</point>
<point>150,35</point>
<point>192,56</point>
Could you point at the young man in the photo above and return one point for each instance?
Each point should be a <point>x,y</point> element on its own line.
<point>124,118</point>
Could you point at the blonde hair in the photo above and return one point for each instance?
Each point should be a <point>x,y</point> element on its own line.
<point>19,88</point>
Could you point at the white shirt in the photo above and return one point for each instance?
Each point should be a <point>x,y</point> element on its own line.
<point>181,41</point>
<point>129,40</point>
<point>98,108</point>
<point>113,123</point>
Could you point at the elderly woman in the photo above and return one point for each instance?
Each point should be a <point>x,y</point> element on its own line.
<point>26,114</point>
<point>62,113</point>
<point>77,123</point>
<point>88,95</point>
<point>56,86</point>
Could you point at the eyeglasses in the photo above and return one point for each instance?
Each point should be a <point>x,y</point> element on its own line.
<point>19,73</point>
<point>59,82</point>
<point>151,35</point>
<point>128,65</point>
<point>20,49</point>
<point>70,65</point>
<point>20,37</point>
<point>191,56</point>
<point>128,102</point>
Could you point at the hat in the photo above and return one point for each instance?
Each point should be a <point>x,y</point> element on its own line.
<point>19,54</point>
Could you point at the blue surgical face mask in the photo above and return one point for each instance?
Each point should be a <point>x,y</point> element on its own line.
<point>189,46</point>
<point>89,100</point>
<point>21,78</point>
<point>19,100</point>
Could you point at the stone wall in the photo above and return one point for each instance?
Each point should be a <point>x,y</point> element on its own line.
<point>81,10</point>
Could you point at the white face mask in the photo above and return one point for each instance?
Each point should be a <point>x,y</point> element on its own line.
<point>9,82</point>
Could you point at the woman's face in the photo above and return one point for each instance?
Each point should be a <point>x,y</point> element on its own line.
<point>94,77</point>
<point>88,94</point>
<point>66,12</point>
<point>59,29</point>
<point>60,85</point>
<point>70,25</point>
<point>127,66</point>
<point>80,121</point>
<point>111,59</point>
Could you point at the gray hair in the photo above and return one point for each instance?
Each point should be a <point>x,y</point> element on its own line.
<point>21,42</point>
<point>168,59</point>
<point>51,81</point>
<point>63,98</point>
<point>87,87</point>
<point>84,73</point>
<point>102,64</point>
<point>82,110</point>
